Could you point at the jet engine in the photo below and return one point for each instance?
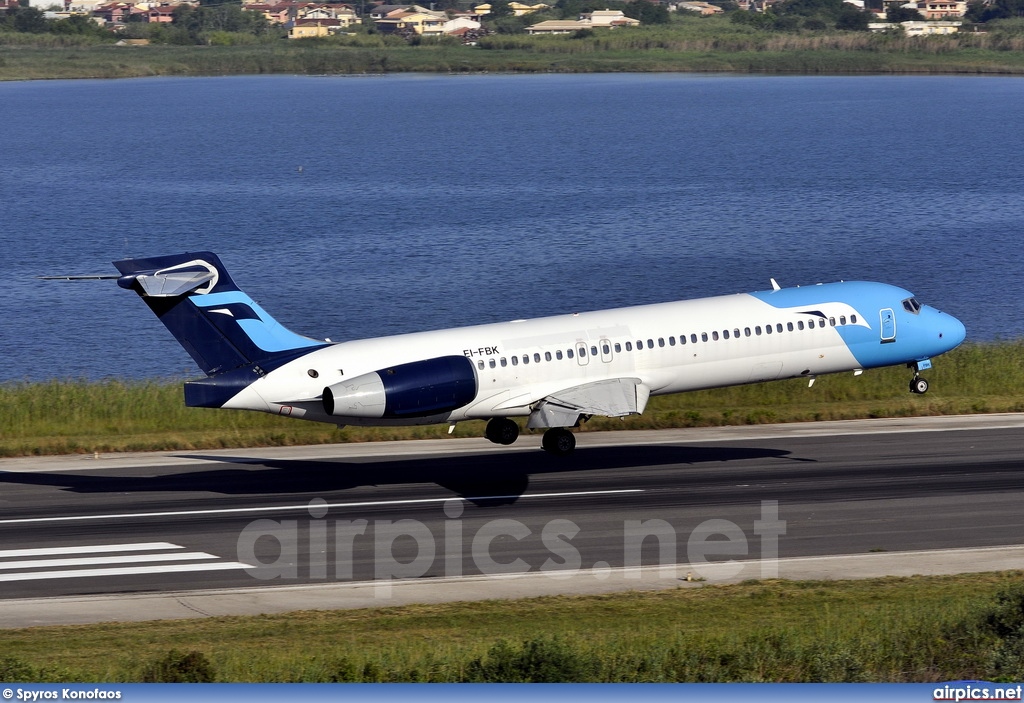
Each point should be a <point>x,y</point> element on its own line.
<point>417,389</point>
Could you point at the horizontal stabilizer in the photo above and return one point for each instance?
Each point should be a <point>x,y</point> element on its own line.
<point>615,397</point>
<point>85,277</point>
<point>168,285</point>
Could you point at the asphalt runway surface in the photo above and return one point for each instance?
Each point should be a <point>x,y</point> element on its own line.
<point>445,510</point>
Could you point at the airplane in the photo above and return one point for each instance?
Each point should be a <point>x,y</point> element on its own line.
<point>554,371</point>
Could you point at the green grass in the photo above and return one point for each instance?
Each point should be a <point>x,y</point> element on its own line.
<point>62,417</point>
<point>894,629</point>
<point>686,45</point>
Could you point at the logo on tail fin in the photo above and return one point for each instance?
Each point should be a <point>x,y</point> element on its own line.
<point>220,326</point>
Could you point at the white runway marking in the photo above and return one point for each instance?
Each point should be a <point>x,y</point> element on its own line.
<point>306,506</point>
<point>88,549</point>
<point>150,557</point>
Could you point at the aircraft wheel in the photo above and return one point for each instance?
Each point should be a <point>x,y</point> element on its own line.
<point>501,430</point>
<point>919,386</point>
<point>559,441</point>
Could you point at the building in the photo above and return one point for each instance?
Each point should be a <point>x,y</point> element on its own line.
<point>607,19</point>
<point>918,28</point>
<point>419,21</point>
<point>942,9</point>
<point>703,8</point>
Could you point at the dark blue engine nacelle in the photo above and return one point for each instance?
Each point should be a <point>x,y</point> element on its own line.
<point>417,389</point>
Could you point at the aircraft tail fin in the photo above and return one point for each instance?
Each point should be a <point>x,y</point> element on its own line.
<point>220,326</point>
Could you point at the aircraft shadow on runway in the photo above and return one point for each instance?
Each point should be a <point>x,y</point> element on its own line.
<point>500,477</point>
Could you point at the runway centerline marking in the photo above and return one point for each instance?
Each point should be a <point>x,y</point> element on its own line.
<point>306,506</point>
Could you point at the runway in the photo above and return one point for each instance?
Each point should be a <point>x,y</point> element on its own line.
<point>452,512</point>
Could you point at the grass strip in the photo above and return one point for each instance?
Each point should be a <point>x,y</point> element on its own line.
<point>890,629</point>
<point>65,417</point>
<point>686,45</point>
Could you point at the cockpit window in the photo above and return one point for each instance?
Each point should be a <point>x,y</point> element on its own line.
<point>911,305</point>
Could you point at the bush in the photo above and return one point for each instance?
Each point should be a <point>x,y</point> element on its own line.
<point>538,660</point>
<point>178,667</point>
<point>13,670</point>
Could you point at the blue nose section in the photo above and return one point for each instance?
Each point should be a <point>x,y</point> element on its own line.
<point>952,332</point>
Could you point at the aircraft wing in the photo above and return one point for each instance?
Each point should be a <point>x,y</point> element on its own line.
<point>614,397</point>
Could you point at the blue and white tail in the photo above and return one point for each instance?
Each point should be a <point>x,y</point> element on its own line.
<point>217,324</point>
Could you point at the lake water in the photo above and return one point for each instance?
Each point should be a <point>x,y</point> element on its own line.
<point>354,207</point>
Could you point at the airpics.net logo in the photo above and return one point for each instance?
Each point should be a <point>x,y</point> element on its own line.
<point>322,549</point>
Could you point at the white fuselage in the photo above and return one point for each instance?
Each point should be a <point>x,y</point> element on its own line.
<point>669,347</point>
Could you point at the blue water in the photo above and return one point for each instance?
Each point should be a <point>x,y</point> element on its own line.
<point>353,207</point>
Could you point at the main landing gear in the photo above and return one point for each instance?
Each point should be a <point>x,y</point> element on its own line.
<point>557,440</point>
<point>501,430</point>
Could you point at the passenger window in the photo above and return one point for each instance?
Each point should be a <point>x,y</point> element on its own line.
<point>583,352</point>
<point>671,341</point>
<point>842,319</point>
<point>725,334</point>
<point>618,348</point>
<point>661,341</point>
<point>558,354</point>
<point>650,344</point>
<point>714,335</point>
<point>605,349</point>
<point>832,321</point>
<point>757,330</point>
<point>768,329</point>
<point>490,362</point>
<point>515,361</point>
<point>736,332</point>
<point>547,356</point>
<point>853,320</point>
<point>778,327</point>
<point>629,346</point>
<point>800,324</point>
<point>480,364</point>
<point>821,322</point>
<point>526,358</point>
<point>789,326</point>
<point>568,353</point>
<point>536,357</point>
<point>704,336</point>
<point>746,331</point>
<point>504,362</point>
<point>639,344</point>
<point>682,339</point>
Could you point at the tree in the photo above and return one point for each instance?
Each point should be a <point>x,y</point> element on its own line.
<point>647,12</point>
<point>224,17</point>
<point>78,24</point>
<point>1005,9</point>
<point>810,8</point>
<point>903,14</point>
<point>760,20</point>
<point>499,8</point>
<point>28,19</point>
<point>853,19</point>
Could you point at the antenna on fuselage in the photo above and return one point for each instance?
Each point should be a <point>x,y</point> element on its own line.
<point>775,286</point>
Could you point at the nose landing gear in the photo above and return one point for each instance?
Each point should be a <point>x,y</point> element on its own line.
<point>917,384</point>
